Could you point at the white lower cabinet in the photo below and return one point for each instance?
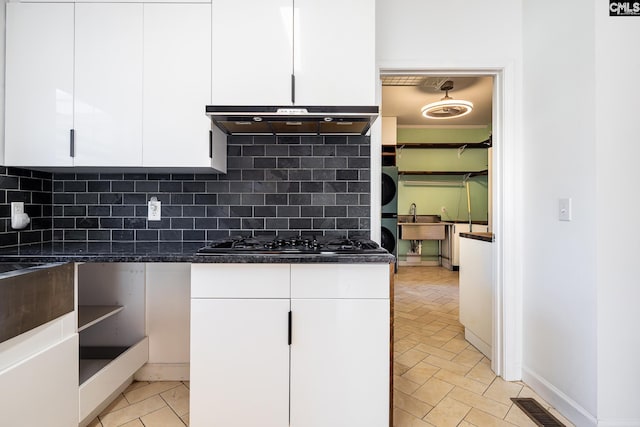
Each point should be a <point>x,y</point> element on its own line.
<point>340,362</point>
<point>239,362</point>
<point>476,293</point>
<point>42,390</point>
<point>336,369</point>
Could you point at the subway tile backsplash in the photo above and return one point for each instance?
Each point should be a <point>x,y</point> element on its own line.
<point>274,185</point>
<point>34,189</point>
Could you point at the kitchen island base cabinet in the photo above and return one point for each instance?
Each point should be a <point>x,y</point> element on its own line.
<point>476,293</point>
<point>336,369</point>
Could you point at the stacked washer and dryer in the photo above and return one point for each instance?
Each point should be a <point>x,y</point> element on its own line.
<point>389,221</point>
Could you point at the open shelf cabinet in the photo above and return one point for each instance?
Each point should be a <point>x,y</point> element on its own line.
<point>89,315</point>
<point>111,325</point>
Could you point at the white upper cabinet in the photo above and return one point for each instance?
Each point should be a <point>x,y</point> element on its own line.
<point>252,52</point>
<point>108,84</point>
<point>334,54</point>
<point>114,85</point>
<point>177,85</point>
<point>258,46</point>
<point>39,84</point>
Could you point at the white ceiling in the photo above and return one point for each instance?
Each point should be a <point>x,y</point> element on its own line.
<point>403,96</point>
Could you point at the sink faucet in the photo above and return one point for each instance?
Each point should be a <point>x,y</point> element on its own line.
<point>412,211</point>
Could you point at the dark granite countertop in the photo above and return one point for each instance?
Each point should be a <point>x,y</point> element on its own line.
<point>483,236</point>
<point>79,252</point>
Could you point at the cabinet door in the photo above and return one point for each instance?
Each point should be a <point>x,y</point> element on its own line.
<point>108,84</point>
<point>177,85</point>
<point>43,389</point>
<point>335,52</point>
<point>340,362</point>
<point>39,84</point>
<point>252,52</point>
<point>239,362</point>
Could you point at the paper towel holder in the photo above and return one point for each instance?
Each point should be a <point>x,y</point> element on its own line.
<point>19,219</point>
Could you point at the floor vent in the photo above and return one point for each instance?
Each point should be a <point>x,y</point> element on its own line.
<point>536,412</point>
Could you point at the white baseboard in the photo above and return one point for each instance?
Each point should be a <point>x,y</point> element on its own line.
<point>619,423</point>
<point>163,372</point>
<point>561,402</point>
<point>477,342</point>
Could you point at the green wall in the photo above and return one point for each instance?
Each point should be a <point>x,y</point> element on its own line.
<point>451,194</point>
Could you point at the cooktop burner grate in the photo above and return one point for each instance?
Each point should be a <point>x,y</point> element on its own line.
<point>288,245</point>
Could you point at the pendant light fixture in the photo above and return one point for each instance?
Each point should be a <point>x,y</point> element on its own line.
<point>447,107</point>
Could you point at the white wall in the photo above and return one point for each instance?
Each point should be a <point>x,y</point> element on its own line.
<point>549,48</point>
<point>2,51</point>
<point>437,33</point>
<point>559,324</point>
<point>168,301</point>
<point>617,117</point>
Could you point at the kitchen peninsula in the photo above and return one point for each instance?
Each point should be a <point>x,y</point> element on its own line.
<point>476,289</point>
<point>321,314</point>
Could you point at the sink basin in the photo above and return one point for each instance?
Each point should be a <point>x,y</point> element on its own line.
<point>421,230</point>
<point>419,218</point>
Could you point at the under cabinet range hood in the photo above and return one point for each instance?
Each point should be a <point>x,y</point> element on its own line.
<point>292,120</point>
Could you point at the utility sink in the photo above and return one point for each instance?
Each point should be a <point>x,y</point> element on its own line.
<point>425,227</point>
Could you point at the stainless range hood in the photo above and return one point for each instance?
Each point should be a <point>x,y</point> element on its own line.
<point>296,120</point>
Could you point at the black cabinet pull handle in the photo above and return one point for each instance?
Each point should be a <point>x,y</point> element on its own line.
<point>289,333</point>
<point>211,144</point>
<point>72,143</point>
<point>293,88</point>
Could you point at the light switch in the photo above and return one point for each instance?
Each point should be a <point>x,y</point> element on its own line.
<point>564,209</point>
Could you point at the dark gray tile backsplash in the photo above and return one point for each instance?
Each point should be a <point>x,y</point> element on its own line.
<point>274,185</point>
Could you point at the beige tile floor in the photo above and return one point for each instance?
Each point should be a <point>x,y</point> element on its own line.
<point>439,378</point>
<point>148,404</point>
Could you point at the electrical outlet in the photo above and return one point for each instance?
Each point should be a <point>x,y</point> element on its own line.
<point>155,212</point>
<point>17,208</point>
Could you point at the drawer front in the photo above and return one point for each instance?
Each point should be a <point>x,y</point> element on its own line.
<point>240,280</point>
<point>340,281</point>
<point>97,389</point>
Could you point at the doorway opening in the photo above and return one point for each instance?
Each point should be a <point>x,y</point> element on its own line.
<point>461,204</point>
<point>505,344</point>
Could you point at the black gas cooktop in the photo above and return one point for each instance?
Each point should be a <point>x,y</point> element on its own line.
<point>291,245</point>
